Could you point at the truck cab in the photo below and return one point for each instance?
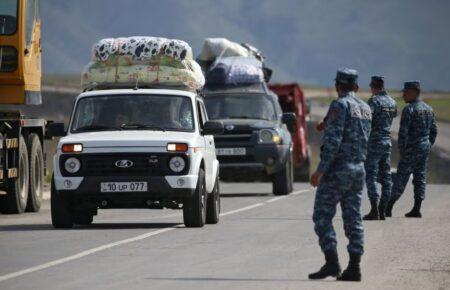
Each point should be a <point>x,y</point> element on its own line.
<point>256,143</point>
<point>292,100</point>
<point>22,158</point>
<point>136,148</point>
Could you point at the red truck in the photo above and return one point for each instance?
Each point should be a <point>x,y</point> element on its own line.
<point>291,99</point>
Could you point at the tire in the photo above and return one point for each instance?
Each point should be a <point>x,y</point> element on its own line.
<point>302,174</point>
<point>283,179</point>
<point>194,209</point>
<point>36,162</point>
<point>15,200</point>
<point>82,218</point>
<point>213,205</point>
<point>60,209</point>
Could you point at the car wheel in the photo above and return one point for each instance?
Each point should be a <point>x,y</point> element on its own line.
<point>194,209</point>
<point>283,179</point>
<point>15,200</point>
<point>36,163</point>
<point>83,218</point>
<point>213,206</point>
<point>60,210</point>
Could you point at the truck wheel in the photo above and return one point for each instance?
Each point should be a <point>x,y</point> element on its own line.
<point>282,183</point>
<point>194,209</point>
<point>83,218</point>
<point>60,208</point>
<point>302,174</point>
<point>213,205</point>
<point>15,200</point>
<point>36,174</point>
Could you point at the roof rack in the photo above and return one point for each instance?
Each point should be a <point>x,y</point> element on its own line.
<point>136,86</point>
<point>259,88</point>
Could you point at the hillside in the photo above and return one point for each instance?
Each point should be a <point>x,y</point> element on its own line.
<point>304,40</point>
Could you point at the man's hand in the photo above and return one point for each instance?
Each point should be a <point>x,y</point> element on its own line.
<point>315,178</point>
<point>320,126</point>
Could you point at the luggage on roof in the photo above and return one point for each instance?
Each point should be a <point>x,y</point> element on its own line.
<point>143,62</point>
<point>216,50</point>
<point>235,70</point>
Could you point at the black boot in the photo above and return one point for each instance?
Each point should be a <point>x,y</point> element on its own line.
<point>389,207</point>
<point>373,214</point>
<point>331,267</point>
<point>353,271</point>
<point>382,209</point>
<point>415,212</point>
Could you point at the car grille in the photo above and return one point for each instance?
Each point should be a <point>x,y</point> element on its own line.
<point>143,165</point>
<point>232,139</point>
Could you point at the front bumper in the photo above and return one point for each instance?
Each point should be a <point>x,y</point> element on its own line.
<point>160,188</point>
<point>266,159</point>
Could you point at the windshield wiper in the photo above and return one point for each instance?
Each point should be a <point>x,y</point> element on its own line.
<point>247,117</point>
<point>139,126</point>
<point>95,128</point>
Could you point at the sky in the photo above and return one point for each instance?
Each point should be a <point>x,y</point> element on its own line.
<point>304,41</point>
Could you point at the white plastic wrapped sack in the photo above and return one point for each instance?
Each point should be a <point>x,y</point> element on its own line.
<point>131,50</point>
<point>221,47</point>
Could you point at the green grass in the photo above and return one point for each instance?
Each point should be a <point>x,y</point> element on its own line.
<point>441,108</point>
<point>440,105</point>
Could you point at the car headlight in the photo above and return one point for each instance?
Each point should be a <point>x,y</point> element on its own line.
<point>177,164</point>
<point>72,165</point>
<point>269,136</point>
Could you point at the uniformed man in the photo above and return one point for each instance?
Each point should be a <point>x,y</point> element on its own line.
<point>416,136</point>
<point>378,162</point>
<point>340,177</point>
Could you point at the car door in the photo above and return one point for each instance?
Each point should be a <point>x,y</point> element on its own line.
<point>209,146</point>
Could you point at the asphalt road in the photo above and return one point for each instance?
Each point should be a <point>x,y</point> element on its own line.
<point>262,242</point>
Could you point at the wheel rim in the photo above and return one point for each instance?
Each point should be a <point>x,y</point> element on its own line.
<point>217,201</point>
<point>203,201</point>
<point>38,176</point>
<point>23,181</point>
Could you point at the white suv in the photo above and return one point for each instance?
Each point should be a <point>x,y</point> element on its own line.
<point>136,148</point>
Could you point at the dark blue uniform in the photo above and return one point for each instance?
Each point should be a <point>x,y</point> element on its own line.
<point>378,163</point>
<point>342,162</point>
<point>416,136</point>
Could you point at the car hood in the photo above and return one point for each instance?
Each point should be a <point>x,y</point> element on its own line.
<point>248,124</point>
<point>130,138</point>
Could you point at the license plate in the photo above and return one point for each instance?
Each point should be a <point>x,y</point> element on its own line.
<point>230,151</point>
<point>123,186</point>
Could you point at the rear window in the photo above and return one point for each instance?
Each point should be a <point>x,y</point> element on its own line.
<point>8,17</point>
<point>8,59</point>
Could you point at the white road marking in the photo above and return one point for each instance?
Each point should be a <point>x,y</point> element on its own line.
<point>301,191</point>
<point>129,240</point>
<point>242,209</point>
<point>276,198</point>
<point>83,254</point>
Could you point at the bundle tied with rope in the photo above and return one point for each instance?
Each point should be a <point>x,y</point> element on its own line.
<point>144,62</point>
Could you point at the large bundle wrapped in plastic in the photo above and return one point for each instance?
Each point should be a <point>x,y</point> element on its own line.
<point>235,70</point>
<point>221,47</point>
<point>142,61</point>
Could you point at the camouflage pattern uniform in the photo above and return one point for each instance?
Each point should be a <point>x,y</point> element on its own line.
<point>416,136</point>
<point>378,162</point>
<point>344,151</point>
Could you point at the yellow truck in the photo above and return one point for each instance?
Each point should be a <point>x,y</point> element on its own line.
<point>22,163</point>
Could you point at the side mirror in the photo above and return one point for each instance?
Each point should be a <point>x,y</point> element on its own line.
<point>55,130</point>
<point>290,120</point>
<point>213,128</point>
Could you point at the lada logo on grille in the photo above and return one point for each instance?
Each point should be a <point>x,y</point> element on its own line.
<point>229,127</point>
<point>124,163</point>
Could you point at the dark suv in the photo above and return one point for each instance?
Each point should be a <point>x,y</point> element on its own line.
<point>256,143</point>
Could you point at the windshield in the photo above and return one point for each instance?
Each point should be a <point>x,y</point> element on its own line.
<point>8,17</point>
<point>240,107</point>
<point>133,112</point>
